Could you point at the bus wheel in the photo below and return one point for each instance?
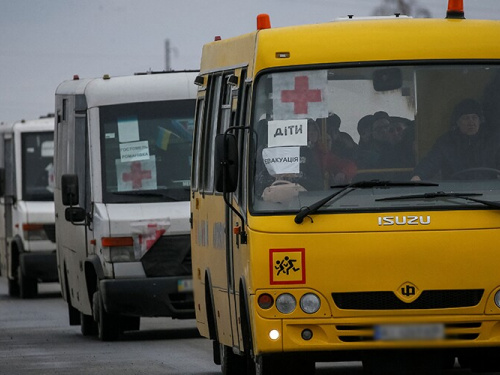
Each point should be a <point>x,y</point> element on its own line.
<point>28,287</point>
<point>87,325</point>
<point>277,364</point>
<point>231,364</point>
<point>108,325</point>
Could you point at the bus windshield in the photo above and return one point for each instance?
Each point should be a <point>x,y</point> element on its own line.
<point>146,151</point>
<point>38,167</point>
<point>317,131</point>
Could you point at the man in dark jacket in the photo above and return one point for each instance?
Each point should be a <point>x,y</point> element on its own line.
<point>467,151</point>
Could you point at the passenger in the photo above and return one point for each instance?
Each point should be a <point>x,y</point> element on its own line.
<point>465,147</point>
<point>389,143</point>
<point>340,143</point>
<point>338,169</point>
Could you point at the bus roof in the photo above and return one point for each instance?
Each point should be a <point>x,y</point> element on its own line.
<point>357,40</point>
<point>132,89</point>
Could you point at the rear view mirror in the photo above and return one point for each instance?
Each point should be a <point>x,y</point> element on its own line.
<point>226,163</point>
<point>74,214</point>
<point>69,189</point>
<point>387,79</point>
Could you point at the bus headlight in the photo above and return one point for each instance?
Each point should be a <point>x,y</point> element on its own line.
<point>497,298</point>
<point>310,303</point>
<point>286,303</point>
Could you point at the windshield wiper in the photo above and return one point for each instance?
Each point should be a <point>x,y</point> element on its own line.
<point>305,211</point>
<point>442,194</point>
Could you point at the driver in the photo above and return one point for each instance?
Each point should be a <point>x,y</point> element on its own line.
<point>465,146</point>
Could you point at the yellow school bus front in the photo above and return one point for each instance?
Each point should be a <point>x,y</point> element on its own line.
<point>438,272</point>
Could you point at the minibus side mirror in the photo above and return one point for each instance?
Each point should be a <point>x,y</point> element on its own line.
<point>2,182</point>
<point>74,214</point>
<point>69,189</point>
<point>226,163</point>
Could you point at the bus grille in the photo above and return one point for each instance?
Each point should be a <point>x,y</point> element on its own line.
<point>50,231</point>
<point>429,299</point>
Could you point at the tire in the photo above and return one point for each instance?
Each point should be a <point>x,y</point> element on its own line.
<point>283,364</point>
<point>28,287</point>
<point>130,323</point>
<point>88,325</point>
<point>108,325</point>
<point>231,364</point>
<point>13,288</point>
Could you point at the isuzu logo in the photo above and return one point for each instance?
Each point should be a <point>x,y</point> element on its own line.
<point>404,220</point>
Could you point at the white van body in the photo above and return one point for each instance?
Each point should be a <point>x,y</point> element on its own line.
<point>27,237</point>
<point>123,249</point>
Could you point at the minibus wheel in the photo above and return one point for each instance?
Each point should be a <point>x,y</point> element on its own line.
<point>28,287</point>
<point>87,325</point>
<point>108,325</point>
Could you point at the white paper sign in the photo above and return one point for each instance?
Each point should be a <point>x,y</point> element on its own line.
<point>282,160</point>
<point>48,149</point>
<point>287,133</point>
<point>300,94</point>
<point>134,151</point>
<point>128,129</point>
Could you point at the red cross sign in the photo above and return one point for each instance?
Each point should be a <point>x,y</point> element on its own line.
<point>136,175</point>
<point>301,95</point>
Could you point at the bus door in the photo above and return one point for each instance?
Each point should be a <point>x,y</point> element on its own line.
<point>233,113</point>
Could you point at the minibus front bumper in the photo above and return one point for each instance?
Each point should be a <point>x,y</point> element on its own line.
<point>149,297</point>
<point>40,265</point>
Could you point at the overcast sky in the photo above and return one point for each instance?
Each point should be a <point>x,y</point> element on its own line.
<point>44,42</point>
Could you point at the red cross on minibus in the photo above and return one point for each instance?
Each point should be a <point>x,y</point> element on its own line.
<point>136,175</point>
<point>301,95</point>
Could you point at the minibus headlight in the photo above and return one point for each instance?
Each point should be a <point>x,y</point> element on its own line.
<point>497,298</point>
<point>286,303</point>
<point>121,254</point>
<point>34,232</point>
<point>310,303</point>
<point>118,249</point>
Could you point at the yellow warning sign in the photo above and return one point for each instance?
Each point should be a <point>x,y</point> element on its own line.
<point>287,266</point>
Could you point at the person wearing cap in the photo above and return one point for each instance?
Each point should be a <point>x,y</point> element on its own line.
<point>465,147</point>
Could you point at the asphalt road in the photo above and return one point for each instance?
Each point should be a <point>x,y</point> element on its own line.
<point>36,339</point>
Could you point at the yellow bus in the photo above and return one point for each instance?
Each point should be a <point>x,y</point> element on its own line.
<point>346,193</point>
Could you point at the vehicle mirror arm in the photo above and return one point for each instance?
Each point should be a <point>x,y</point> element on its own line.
<point>242,233</point>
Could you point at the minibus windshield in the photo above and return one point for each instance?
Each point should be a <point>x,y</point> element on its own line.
<point>38,166</point>
<point>146,151</point>
<point>317,130</point>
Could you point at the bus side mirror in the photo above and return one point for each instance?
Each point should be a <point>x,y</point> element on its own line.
<point>69,189</point>
<point>2,182</point>
<point>226,163</point>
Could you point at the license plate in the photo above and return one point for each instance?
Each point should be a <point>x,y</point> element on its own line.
<point>185,285</point>
<point>400,332</point>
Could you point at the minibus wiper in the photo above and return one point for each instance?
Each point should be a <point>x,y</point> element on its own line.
<point>305,211</point>
<point>442,194</point>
